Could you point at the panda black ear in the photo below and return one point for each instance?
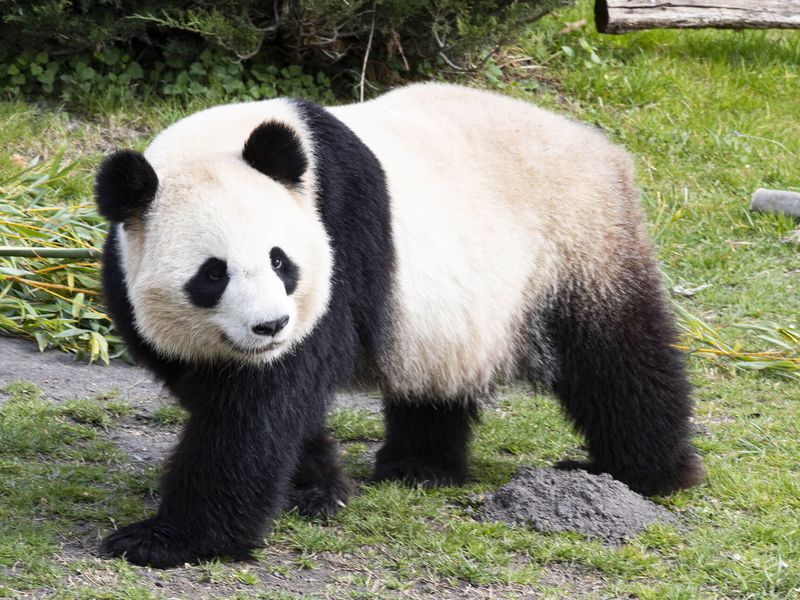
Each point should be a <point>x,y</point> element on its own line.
<point>125,186</point>
<point>275,149</point>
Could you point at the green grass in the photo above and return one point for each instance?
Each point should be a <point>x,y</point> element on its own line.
<point>349,424</point>
<point>101,411</point>
<point>169,415</point>
<point>709,116</point>
<point>56,478</point>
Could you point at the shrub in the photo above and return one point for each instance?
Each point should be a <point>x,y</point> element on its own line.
<point>241,48</point>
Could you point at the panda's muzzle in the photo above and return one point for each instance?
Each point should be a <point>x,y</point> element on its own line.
<point>268,347</point>
<point>270,327</point>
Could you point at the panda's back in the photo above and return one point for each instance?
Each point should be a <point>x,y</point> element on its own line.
<point>491,200</point>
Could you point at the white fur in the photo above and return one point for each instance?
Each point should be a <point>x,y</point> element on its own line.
<point>494,204</point>
<point>217,206</point>
<point>494,201</point>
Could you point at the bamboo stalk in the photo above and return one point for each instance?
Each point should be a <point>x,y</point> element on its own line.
<point>28,252</point>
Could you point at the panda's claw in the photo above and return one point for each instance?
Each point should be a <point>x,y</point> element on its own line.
<point>320,501</point>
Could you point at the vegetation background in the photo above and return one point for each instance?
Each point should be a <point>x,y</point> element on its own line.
<point>709,116</point>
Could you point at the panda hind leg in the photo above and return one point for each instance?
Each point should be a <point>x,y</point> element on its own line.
<point>623,384</point>
<point>426,441</point>
<point>320,488</point>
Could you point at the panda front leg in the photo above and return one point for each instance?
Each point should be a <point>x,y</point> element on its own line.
<point>319,486</point>
<point>426,440</point>
<point>623,383</point>
<point>225,481</point>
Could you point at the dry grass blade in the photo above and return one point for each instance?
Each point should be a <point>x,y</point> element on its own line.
<point>54,303</point>
<point>782,358</point>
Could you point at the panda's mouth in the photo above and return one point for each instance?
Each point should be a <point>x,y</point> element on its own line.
<point>250,351</point>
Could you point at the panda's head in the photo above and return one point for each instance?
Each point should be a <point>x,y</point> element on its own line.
<point>224,255</point>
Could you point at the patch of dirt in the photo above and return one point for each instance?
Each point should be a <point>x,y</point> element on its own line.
<point>370,401</point>
<point>61,377</point>
<point>278,571</point>
<point>574,581</point>
<point>144,441</point>
<point>596,506</point>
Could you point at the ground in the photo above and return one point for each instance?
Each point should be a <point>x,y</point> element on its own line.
<point>709,116</point>
<point>132,412</point>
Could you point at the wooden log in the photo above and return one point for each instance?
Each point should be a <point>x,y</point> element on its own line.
<point>621,16</point>
<point>776,201</point>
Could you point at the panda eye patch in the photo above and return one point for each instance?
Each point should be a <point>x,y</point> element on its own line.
<point>208,284</point>
<point>286,270</point>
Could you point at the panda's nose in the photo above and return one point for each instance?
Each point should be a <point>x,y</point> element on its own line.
<point>271,327</point>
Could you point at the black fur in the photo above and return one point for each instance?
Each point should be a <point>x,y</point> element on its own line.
<point>252,432</point>
<point>426,441</point>
<point>624,386</point>
<point>125,186</point>
<point>274,149</point>
<point>360,227</point>
<point>286,269</point>
<point>207,286</point>
<point>231,468</point>
<point>319,487</point>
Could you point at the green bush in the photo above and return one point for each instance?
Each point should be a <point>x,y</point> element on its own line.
<point>247,48</point>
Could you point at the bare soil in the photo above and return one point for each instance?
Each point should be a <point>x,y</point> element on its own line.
<point>596,506</point>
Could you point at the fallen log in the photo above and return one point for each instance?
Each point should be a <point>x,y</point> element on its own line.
<point>621,16</point>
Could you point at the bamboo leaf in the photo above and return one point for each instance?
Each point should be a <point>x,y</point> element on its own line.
<point>41,340</point>
<point>77,305</point>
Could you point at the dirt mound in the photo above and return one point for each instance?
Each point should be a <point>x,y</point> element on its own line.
<point>597,506</point>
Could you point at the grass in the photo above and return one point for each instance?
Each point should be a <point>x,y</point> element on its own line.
<point>64,482</point>
<point>55,478</point>
<point>709,116</point>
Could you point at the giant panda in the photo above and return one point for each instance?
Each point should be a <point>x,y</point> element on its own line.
<point>432,242</point>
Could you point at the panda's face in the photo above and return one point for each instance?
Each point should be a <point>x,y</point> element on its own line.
<point>226,263</point>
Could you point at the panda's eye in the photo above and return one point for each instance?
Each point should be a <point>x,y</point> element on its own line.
<point>286,270</point>
<point>277,258</point>
<point>216,270</point>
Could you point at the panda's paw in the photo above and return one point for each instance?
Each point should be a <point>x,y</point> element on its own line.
<point>149,543</point>
<point>322,499</point>
<point>427,475</point>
